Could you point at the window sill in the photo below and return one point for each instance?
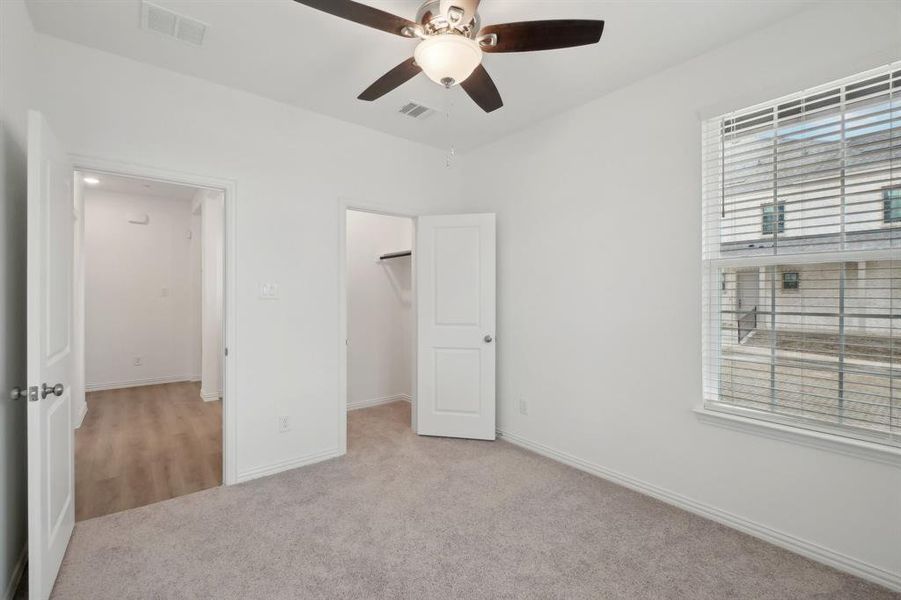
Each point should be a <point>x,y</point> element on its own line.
<point>815,439</point>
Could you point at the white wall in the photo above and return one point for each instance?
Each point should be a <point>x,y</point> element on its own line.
<point>599,330</point>
<point>379,317</point>
<point>212,208</point>
<point>291,168</point>
<point>140,291</point>
<point>16,60</point>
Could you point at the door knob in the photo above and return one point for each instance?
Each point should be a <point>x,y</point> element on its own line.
<point>488,339</point>
<point>18,393</point>
<point>56,390</point>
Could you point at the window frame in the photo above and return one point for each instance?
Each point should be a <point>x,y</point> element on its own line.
<point>883,445</point>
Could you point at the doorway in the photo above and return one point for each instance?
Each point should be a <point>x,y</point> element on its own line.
<point>748,296</point>
<point>452,309</point>
<point>380,322</point>
<point>747,300</point>
<point>149,300</point>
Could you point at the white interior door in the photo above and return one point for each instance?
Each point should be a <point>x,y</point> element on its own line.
<point>455,287</point>
<point>51,451</point>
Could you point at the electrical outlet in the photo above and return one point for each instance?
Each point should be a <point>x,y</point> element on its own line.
<point>139,361</point>
<point>284,424</point>
<point>523,407</point>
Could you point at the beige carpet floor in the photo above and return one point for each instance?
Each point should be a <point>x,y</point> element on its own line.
<point>408,517</point>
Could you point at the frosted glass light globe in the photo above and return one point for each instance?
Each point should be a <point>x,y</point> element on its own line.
<point>448,59</point>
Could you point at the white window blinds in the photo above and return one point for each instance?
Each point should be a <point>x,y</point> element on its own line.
<point>802,256</point>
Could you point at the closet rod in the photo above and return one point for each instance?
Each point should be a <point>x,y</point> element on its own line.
<point>396,254</point>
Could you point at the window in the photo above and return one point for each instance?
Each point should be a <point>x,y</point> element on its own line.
<point>891,199</point>
<point>791,280</point>
<point>769,221</point>
<point>800,189</point>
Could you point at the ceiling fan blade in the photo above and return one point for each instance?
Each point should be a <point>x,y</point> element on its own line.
<point>529,36</point>
<point>482,90</point>
<point>390,80</point>
<point>362,14</point>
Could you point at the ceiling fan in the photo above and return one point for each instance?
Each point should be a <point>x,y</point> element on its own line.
<point>452,42</point>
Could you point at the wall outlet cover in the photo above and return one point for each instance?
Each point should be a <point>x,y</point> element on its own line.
<point>284,424</point>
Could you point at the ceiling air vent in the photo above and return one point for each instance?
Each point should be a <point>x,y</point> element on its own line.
<point>190,31</point>
<point>414,110</point>
<point>159,19</point>
<point>171,24</point>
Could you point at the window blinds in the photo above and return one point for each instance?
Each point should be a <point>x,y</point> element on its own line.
<point>802,258</point>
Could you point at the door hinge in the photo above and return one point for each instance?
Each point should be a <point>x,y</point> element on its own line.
<point>226,351</point>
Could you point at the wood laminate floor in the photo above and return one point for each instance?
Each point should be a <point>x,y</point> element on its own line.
<point>145,444</point>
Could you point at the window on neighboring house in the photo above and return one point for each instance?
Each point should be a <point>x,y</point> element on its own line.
<point>791,280</point>
<point>891,205</point>
<point>824,355</point>
<point>773,220</point>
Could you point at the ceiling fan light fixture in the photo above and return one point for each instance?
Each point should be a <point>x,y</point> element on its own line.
<point>448,59</point>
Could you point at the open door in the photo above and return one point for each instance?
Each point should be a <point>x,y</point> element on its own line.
<point>51,450</point>
<point>455,287</point>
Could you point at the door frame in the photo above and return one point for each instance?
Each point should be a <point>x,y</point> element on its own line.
<point>345,205</point>
<point>101,165</point>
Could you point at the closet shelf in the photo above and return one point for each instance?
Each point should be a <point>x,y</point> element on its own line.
<point>400,254</point>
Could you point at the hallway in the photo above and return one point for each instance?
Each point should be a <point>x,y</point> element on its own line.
<point>142,445</point>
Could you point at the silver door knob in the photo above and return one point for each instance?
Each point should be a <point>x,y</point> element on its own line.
<point>488,339</point>
<point>56,390</point>
<point>18,393</point>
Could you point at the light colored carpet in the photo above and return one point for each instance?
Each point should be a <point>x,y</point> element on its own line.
<point>408,517</point>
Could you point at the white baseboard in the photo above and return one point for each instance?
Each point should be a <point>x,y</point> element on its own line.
<point>777,538</point>
<point>287,465</point>
<point>117,385</point>
<point>210,396</point>
<point>16,576</point>
<point>377,401</point>
<point>81,415</point>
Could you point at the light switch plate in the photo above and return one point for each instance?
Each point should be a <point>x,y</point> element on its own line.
<point>269,291</point>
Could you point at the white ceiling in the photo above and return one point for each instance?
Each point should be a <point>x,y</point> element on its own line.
<point>134,186</point>
<point>294,54</point>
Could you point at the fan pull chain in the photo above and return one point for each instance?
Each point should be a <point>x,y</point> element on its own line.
<point>452,154</point>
